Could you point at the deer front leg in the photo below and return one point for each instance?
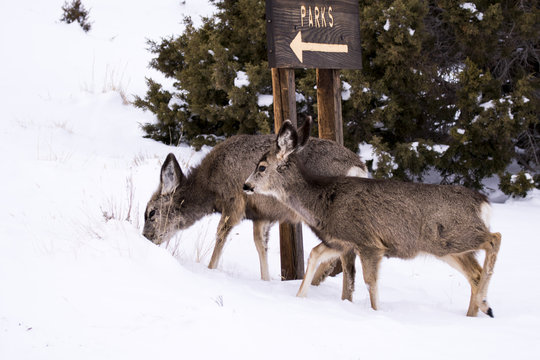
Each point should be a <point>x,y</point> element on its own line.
<point>320,253</point>
<point>334,267</point>
<point>347,267</point>
<point>323,271</point>
<point>229,219</point>
<point>260,236</point>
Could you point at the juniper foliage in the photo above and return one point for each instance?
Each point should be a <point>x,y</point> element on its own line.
<point>448,88</point>
<point>76,12</point>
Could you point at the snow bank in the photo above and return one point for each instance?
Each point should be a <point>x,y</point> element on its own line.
<point>77,279</point>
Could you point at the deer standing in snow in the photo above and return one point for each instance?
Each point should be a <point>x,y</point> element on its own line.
<point>215,185</point>
<point>377,218</point>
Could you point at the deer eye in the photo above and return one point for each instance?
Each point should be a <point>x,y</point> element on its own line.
<point>262,168</point>
<point>151,214</point>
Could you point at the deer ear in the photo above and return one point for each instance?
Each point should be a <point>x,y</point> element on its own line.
<point>171,175</point>
<point>304,131</point>
<point>287,139</point>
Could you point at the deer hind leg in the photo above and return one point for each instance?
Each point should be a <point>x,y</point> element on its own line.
<point>320,253</point>
<point>491,247</point>
<point>329,268</point>
<point>371,259</point>
<point>323,271</point>
<point>467,264</point>
<point>226,223</point>
<point>260,236</point>
<point>349,273</point>
<point>347,267</point>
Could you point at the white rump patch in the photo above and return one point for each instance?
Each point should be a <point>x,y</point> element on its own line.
<point>485,214</point>
<point>356,171</point>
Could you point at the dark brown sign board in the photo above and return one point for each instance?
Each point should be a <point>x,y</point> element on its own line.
<point>313,34</point>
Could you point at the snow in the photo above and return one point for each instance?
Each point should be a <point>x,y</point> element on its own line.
<point>76,284</point>
<point>441,149</point>
<point>265,100</point>
<point>346,91</point>
<point>367,153</point>
<point>528,176</point>
<point>241,79</point>
<point>452,75</point>
<point>488,105</point>
<point>472,8</point>
<point>386,26</point>
<point>468,6</point>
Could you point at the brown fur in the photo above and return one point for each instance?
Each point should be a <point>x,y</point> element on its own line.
<point>216,186</point>
<point>381,218</point>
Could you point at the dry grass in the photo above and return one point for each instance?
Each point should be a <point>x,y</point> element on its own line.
<point>124,210</point>
<point>202,247</point>
<point>113,80</point>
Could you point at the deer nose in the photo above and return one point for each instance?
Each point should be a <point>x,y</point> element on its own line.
<point>248,188</point>
<point>148,234</point>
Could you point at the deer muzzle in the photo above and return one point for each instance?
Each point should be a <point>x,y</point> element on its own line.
<point>248,189</point>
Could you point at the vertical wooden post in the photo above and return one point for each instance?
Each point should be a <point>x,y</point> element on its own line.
<point>290,236</point>
<point>330,120</point>
<point>329,105</point>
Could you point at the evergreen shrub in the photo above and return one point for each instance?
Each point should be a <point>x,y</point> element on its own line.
<point>517,185</point>
<point>76,12</point>
<point>448,93</point>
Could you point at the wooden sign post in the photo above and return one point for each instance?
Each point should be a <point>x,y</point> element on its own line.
<point>329,105</point>
<point>324,35</point>
<point>290,236</point>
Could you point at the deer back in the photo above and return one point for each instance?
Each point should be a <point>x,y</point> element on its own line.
<point>400,218</point>
<point>216,183</point>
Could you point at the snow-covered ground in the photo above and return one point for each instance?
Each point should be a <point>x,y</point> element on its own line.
<point>78,281</point>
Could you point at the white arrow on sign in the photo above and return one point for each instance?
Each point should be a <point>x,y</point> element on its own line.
<point>298,47</point>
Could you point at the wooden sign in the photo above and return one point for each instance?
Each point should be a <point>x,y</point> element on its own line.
<point>313,34</point>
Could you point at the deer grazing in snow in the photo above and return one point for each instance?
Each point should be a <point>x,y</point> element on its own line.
<point>379,218</point>
<point>215,185</point>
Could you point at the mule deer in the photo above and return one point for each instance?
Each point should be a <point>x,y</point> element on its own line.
<point>380,218</point>
<point>215,185</point>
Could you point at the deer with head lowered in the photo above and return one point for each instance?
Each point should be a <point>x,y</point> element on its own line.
<point>215,185</point>
<point>377,218</point>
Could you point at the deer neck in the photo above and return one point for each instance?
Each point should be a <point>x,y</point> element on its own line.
<point>302,193</point>
<point>197,196</point>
